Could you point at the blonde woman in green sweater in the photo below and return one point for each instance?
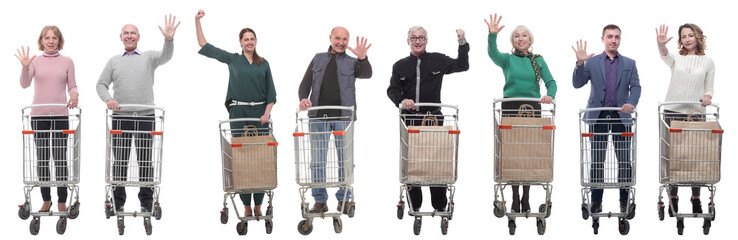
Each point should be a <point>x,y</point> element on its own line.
<point>524,72</point>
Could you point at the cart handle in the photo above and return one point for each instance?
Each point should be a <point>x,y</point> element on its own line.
<point>432,105</point>
<point>686,102</point>
<point>242,120</point>
<point>603,109</point>
<point>496,100</point>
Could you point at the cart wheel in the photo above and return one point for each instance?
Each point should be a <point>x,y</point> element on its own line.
<point>711,209</point>
<point>242,228</point>
<point>157,212</point>
<point>400,211</point>
<point>498,212</point>
<point>661,211</point>
<point>680,226</point>
<point>511,226</point>
<point>623,227</point>
<point>631,211</point>
<point>35,226</point>
<point>444,226</point>
<point>61,225</point>
<point>337,225</point>
<point>585,212</point>
<point>109,212</point>
<point>352,209</point>
<point>706,226</point>
<point>416,225</point>
<point>147,226</point>
<point>268,225</point>
<point>74,211</point>
<point>546,208</point>
<point>596,226</point>
<point>23,212</point>
<point>121,226</point>
<point>304,227</point>
<point>541,224</point>
<point>224,216</point>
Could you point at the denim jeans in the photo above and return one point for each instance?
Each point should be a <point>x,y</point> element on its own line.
<point>319,145</point>
<point>599,150</point>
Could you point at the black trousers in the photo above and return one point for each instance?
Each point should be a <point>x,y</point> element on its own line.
<point>122,153</point>
<point>48,145</point>
<point>438,194</point>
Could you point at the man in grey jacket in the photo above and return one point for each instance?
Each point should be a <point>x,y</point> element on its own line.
<point>330,81</point>
<point>132,77</point>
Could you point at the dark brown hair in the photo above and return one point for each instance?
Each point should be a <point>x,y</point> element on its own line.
<point>56,31</point>
<point>610,26</point>
<point>257,59</point>
<point>701,45</point>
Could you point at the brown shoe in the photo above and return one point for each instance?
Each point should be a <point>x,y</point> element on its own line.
<point>346,209</point>
<point>319,208</point>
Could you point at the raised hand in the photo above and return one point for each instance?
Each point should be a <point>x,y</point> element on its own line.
<point>581,52</point>
<point>169,27</point>
<point>460,34</point>
<point>22,55</point>
<point>494,24</point>
<point>361,48</point>
<point>661,34</point>
<point>200,14</point>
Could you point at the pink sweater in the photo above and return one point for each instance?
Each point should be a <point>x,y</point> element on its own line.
<point>53,73</point>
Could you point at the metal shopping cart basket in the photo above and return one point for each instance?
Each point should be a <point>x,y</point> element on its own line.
<point>51,145</point>
<point>524,150</point>
<point>139,128</point>
<point>429,144</point>
<point>690,148</point>
<point>324,158</point>
<point>608,161</point>
<point>249,157</point>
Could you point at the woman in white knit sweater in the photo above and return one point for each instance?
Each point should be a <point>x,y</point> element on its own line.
<point>692,78</point>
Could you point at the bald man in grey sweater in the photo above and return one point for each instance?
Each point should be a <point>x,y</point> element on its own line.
<point>132,77</point>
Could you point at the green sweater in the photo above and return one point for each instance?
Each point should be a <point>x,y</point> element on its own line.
<point>520,79</point>
<point>247,82</point>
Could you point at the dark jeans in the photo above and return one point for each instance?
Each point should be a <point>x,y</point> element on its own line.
<point>48,145</point>
<point>438,194</point>
<point>599,151</point>
<point>674,116</point>
<point>122,153</point>
<point>511,109</point>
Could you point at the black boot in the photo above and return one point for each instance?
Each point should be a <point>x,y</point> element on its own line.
<point>675,204</point>
<point>696,205</point>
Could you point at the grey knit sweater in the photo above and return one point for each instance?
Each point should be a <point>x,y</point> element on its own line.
<point>132,78</point>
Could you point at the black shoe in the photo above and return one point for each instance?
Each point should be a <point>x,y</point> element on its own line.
<point>440,210</point>
<point>319,208</point>
<point>48,209</point>
<point>145,209</point>
<point>696,206</point>
<point>345,209</point>
<point>526,206</point>
<point>515,205</point>
<point>675,205</point>
<point>119,209</point>
<point>623,207</point>
<point>596,207</point>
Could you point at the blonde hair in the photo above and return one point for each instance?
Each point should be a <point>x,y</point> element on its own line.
<point>530,36</point>
<point>56,31</point>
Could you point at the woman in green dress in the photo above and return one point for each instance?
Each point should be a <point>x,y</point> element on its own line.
<point>251,91</point>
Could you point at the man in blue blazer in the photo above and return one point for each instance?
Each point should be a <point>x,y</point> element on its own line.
<point>614,83</point>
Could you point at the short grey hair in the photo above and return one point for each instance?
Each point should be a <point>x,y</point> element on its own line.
<point>524,28</point>
<point>416,28</point>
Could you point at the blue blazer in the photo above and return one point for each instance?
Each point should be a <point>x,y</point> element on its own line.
<point>628,86</point>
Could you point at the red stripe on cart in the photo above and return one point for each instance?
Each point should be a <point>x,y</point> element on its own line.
<point>339,133</point>
<point>675,130</point>
<point>69,131</point>
<point>157,133</point>
<point>413,131</point>
<point>298,134</point>
<point>457,132</point>
<point>505,126</point>
<point>588,134</point>
<point>236,145</point>
<point>272,144</point>
<point>627,134</point>
<point>549,127</point>
<point>115,132</point>
<point>719,131</point>
<point>27,132</point>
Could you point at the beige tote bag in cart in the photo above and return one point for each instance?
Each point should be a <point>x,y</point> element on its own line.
<point>694,155</point>
<point>253,166</point>
<point>526,153</point>
<point>430,154</point>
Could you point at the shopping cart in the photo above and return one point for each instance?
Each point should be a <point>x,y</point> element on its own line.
<point>429,144</point>
<point>126,130</point>
<point>249,157</point>
<point>690,155</point>
<point>324,158</point>
<point>608,161</point>
<point>524,150</point>
<point>47,137</point>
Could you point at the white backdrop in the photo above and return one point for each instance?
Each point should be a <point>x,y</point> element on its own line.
<point>192,88</point>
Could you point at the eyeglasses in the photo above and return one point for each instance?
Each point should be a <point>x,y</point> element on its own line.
<point>421,38</point>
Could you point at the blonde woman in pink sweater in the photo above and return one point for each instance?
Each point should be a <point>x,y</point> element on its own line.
<point>54,79</point>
